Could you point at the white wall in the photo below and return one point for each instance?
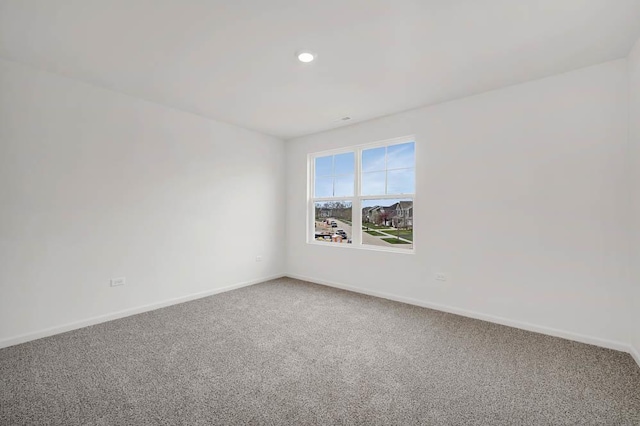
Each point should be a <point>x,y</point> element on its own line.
<point>95,184</point>
<point>521,199</point>
<point>634,143</point>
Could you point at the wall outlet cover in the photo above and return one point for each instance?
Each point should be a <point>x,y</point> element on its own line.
<point>118,281</point>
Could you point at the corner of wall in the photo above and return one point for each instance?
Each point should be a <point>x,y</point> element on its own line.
<point>633,75</point>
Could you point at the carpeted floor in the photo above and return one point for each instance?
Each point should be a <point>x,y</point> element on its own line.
<point>290,352</point>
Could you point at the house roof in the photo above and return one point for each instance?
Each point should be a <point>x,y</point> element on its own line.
<point>404,205</point>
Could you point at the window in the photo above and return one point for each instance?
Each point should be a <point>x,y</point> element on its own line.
<point>363,196</point>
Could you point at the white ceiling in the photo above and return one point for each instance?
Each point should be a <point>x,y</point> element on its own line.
<point>234,60</point>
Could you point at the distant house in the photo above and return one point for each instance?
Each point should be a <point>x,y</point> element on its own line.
<point>375,214</point>
<point>322,213</point>
<point>398,215</point>
<point>368,213</point>
<point>402,214</point>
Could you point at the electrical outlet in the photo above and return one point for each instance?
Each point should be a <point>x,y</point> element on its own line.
<point>259,258</point>
<point>441,277</point>
<point>118,281</point>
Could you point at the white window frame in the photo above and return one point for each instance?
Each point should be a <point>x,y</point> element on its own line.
<point>356,199</point>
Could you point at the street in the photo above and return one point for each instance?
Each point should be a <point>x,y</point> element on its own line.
<point>366,238</point>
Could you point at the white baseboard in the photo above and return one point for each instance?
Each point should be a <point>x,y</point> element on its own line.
<point>125,313</point>
<point>609,344</point>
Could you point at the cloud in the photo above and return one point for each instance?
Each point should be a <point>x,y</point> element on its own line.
<point>385,170</point>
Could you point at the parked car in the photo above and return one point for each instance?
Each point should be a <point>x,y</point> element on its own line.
<point>334,225</point>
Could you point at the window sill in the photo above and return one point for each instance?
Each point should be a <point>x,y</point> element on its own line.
<point>362,247</point>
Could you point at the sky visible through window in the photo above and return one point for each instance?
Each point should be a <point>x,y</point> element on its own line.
<point>335,175</point>
<point>389,170</point>
<point>385,170</point>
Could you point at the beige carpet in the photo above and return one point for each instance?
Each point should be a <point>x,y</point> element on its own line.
<point>289,352</point>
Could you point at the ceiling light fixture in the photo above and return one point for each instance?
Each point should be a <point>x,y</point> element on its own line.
<point>306,57</point>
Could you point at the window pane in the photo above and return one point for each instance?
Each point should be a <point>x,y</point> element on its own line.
<point>388,223</point>
<point>401,156</point>
<point>324,187</point>
<point>373,159</point>
<point>344,164</point>
<point>333,221</point>
<point>401,181</point>
<point>343,186</point>
<point>373,183</point>
<point>324,166</point>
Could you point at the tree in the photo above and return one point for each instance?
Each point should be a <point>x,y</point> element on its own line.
<point>335,209</point>
<point>400,224</point>
<point>383,217</point>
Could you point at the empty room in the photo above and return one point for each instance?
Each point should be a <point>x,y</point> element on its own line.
<point>293,212</point>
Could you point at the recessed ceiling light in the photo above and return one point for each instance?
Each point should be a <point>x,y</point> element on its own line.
<point>306,57</point>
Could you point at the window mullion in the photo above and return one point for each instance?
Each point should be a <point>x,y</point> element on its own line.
<point>311,221</point>
<point>319,199</point>
<point>356,212</point>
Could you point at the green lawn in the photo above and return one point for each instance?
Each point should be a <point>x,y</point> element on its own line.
<point>394,241</point>
<point>407,235</point>
<point>375,233</point>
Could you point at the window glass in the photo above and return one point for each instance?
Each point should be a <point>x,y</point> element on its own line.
<point>324,166</point>
<point>401,181</point>
<point>373,159</point>
<point>344,164</point>
<point>324,187</point>
<point>332,221</point>
<point>401,156</point>
<point>387,223</point>
<point>373,183</point>
<point>343,186</point>
<point>388,170</point>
